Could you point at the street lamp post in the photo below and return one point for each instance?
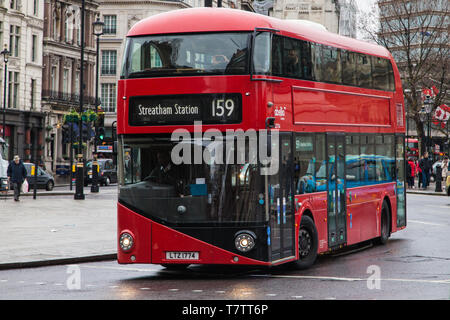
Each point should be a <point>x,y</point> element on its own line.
<point>98,31</point>
<point>79,192</point>
<point>425,116</point>
<point>5,54</point>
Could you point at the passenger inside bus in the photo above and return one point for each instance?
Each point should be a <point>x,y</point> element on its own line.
<point>219,61</point>
<point>292,63</point>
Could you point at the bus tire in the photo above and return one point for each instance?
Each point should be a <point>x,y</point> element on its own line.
<point>308,241</point>
<point>385,224</point>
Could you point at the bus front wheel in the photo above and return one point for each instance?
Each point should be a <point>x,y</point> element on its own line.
<point>307,243</point>
<point>385,224</point>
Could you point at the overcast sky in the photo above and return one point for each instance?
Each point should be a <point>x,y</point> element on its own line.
<point>365,4</point>
<point>364,7</point>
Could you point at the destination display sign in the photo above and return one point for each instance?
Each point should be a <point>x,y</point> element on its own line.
<point>223,108</point>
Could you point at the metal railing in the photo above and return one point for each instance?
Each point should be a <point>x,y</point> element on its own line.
<point>64,97</point>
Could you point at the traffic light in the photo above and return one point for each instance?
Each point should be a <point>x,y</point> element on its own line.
<point>100,122</point>
<point>66,133</point>
<point>85,132</point>
<point>101,135</point>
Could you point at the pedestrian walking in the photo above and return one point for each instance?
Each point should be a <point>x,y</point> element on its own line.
<point>419,173</point>
<point>425,165</point>
<point>420,184</point>
<point>445,172</point>
<point>411,167</point>
<point>16,175</point>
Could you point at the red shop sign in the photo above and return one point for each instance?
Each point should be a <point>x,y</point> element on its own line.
<point>7,131</point>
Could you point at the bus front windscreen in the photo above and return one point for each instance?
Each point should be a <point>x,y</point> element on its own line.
<point>186,54</point>
<point>155,184</point>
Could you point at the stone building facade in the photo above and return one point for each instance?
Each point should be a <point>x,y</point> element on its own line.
<point>21,31</point>
<point>61,72</point>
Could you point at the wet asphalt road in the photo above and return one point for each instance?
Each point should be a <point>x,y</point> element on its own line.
<point>415,264</point>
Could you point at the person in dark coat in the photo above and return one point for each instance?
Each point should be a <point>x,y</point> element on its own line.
<point>16,175</point>
<point>426,165</point>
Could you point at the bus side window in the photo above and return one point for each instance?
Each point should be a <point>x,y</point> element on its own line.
<point>331,65</point>
<point>321,163</point>
<point>348,67</point>
<point>368,172</point>
<point>292,58</point>
<point>316,58</point>
<point>363,70</point>
<point>391,76</point>
<point>304,166</point>
<point>277,61</point>
<point>310,163</point>
<point>380,73</point>
<point>353,162</point>
<point>306,60</point>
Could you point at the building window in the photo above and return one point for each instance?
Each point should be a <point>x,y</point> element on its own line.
<point>109,62</point>
<point>110,24</point>
<point>56,23</point>
<point>34,48</point>
<point>14,40</point>
<point>36,7</point>
<point>66,81</point>
<point>1,34</point>
<point>108,97</point>
<point>13,89</point>
<point>77,82</point>
<point>54,78</point>
<point>33,93</point>
<point>15,4</point>
<point>1,85</point>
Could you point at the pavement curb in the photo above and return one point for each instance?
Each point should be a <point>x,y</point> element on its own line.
<point>427,193</point>
<point>54,262</point>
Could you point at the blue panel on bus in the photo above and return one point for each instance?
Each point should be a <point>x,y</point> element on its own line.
<point>198,189</point>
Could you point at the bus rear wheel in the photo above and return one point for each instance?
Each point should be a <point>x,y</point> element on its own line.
<point>307,243</point>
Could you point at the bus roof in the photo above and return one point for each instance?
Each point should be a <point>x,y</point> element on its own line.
<point>223,19</point>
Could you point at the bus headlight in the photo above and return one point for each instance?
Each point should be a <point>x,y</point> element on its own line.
<point>245,241</point>
<point>126,241</point>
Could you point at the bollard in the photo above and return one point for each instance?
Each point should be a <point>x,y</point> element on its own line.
<point>94,169</point>
<point>438,178</point>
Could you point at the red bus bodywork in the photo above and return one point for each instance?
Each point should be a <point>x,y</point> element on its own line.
<point>306,106</point>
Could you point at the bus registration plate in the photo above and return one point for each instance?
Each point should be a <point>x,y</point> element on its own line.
<point>182,255</point>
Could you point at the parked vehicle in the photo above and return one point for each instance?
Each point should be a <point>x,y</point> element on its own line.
<point>44,180</point>
<point>106,175</point>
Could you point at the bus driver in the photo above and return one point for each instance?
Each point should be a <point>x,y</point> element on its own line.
<point>163,172</point>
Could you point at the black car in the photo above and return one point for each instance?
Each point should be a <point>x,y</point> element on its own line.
<point>106,175</point>
<point>44,180</point>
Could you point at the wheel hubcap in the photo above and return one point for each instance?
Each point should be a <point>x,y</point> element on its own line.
<point>304,245</point>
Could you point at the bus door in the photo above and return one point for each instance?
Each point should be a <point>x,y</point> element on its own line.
<point>336,198</point>
<point>281,198</point>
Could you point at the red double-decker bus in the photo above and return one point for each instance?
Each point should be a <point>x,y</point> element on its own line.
<point>412,148</point>
<point>245,139</point>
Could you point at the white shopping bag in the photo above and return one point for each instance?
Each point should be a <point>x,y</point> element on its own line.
<point>25,186</point>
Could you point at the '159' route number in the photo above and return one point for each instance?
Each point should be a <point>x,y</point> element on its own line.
<point>222,106</point>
